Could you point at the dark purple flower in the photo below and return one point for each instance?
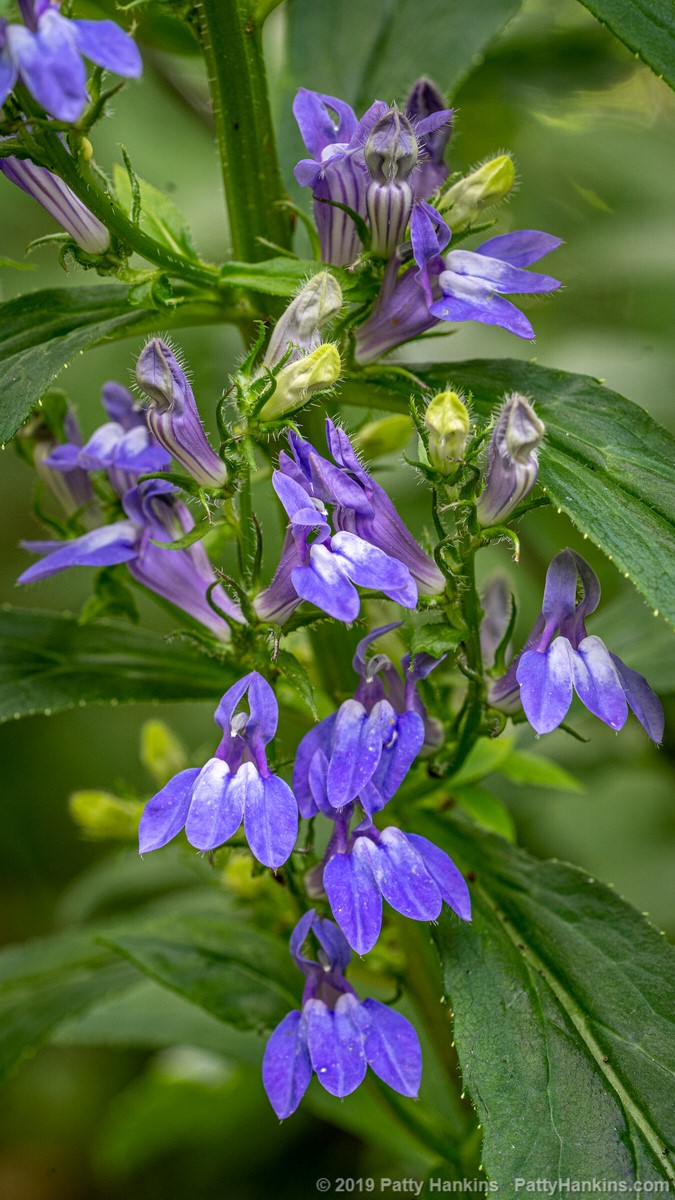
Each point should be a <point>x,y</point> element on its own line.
<point>513,464</point>
<point>412,874</point>
<point>45,54</point>
<point>365,750</point>
<point>497,606</point>
<point>335,1035</point>
<point>550,668</point>
<point>364,543</point>
<point>179,576</point>
<point>364,165</point>
<point>58,200</point>
<point>235,785</point>
<point>172,414</point>
<point>462,285</point>
<point>426,101</point>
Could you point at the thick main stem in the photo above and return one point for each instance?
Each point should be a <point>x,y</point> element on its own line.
<point>230,33</point>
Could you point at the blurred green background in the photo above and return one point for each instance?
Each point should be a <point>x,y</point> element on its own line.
<point>592,132</point>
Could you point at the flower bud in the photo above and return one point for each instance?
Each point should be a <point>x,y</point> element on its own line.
<point>36,441</point>
<point>384,437</point>
<point>497,606</point>
<point>102,815</point>
<point>318,302</point>
<point>512,460</point>
<point>58,200</point>
<point>298,381</point>
<point>447,420</point>
<point>172,414</point>
<point>463,203</point>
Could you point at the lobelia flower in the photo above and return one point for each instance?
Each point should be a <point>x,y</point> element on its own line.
<point>180,576</point>
<point>236,784</point>
<point>365,543</point>
<point>425,101</point>
<point>46,52</point>
<point>339,172</point>
<point>463,285</point>
<point>335,1035</point>
<point>59,201</point>
<point>497,606</point>
<point>172,414</point>
<point>513,465</point>
<point>366,748</point>
<point>72,488</point>
<point>549,668</point>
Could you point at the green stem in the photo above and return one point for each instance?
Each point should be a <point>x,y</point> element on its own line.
<point>230,32</point>
<point>470,719</point>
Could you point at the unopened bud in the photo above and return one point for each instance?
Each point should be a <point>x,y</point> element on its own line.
<point>161,752</point>
<point>447,420</point>
<point>497,606</point>
<point>59,201</point>
<point>391,149</point>
<point>298,381</point>
<point>101,815</point>
<point>318,302</point>
<point>172,414</point>
<point>463,203</point>
<point>512,460</point>
<point>384,437</point>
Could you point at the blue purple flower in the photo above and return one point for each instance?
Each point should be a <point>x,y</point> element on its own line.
<point>59,201</point>
<point>46,53</point>
<point>513,463</point>
<point>235,785</point>
<point>560,658</point>
<point>335,1035</point>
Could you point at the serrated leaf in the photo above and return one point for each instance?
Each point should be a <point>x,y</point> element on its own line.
<point>537,771</point>
<point>604,461</point>
<point>49,662</point>
<point>295,674</point>
<point>242,977</point>
<point>435,637</point>
<point>647,27</point>
<point>160,217</point>
<point>563,999</point>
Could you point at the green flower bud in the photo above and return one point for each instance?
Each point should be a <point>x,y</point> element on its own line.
<point>161,752</point>
<point>298,381</point>
<point>317,303</point>
<point>463,203</point>
<point>101,815</point>
<point>447,420</point>
<point>385,436</point>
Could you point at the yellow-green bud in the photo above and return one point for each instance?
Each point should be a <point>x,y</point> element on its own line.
<point>298,381</point>
<point>161,752</point>
<point>101,815</point>
<point>463,203</point>
<point>447,420</point>
<point>385,436</point>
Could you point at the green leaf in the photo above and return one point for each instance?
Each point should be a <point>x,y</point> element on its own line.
<point>647,27</point>
<point>49,662</point>
<point>604,461</point>
<point>486,755</point>
<point>563,1001</point>
<point>242,977</point>
<point>281,276</point>
<point>295,674</point>
<point>435,637</point>
<point>537,771</point>
<point>17,266</point>
<point>486,809</point>
<point>160,217</point>
<point>376,50</point>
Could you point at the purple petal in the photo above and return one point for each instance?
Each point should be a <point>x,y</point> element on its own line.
<point>470,300</point>
<point>325,583</point>
<point>8,73</point>
<point>270,817</point>
<point>262,704</point>
<point>643,701</point>
<point>354,898</point>
<point>318,738</point>
<point>121,406</point>
<point>108,46</point>
<point>50,65</point>
<point>370,567</point>
<point>521,248</point>
<point>597,683</point>
<point>164,816</point>
<point>392,1048</point>
<point>102,547</point>
<point>216,808</point>
<point>335,1045</point>
<point>318,784</point>
<point>286,1069</point>
<point>546,685</point>
<point>452,884</point>
<point>333,943</point>
<point>501,276</point>
<point>299,937</point>
<point>401,875</point>
<point>399,755</point>
<point>317,126</point>
<point>357,745</point>
<point>560,592</point>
